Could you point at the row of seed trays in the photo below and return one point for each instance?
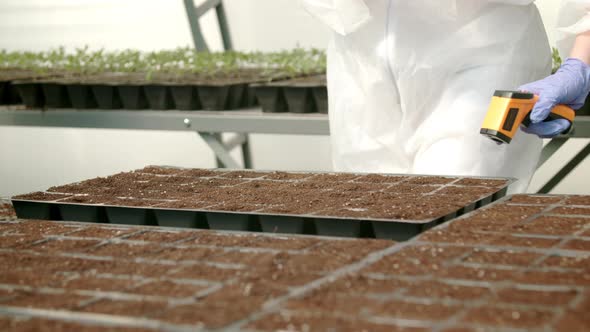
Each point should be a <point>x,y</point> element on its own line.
<point>341,204</point>
<point>518,264</point>
<point>181,79</point>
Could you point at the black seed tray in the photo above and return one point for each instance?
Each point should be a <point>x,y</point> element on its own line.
<point>294,95</point>
<point>31,94</point>
<point>9,94</point>
<point>68,93</point>
<point>81,96</point>
<point>324,225</point>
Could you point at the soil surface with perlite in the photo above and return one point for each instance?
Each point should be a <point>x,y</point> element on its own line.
<point>518,264</point>
<point>353,196</point>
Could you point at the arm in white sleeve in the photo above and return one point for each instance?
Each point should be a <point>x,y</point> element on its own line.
<point>342,16</point>
<point>515,2</point>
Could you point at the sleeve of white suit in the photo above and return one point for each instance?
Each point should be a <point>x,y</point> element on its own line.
<point>573,19</point>
<point>515,2</point>
<point>342,16</point>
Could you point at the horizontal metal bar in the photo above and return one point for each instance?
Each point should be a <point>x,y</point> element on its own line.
<point>242,121</point>
<point>206,7</point>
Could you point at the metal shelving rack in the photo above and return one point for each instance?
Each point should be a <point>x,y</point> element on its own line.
<point>210,125</point>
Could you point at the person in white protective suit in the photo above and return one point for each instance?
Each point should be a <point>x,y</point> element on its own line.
<point>410,81</point>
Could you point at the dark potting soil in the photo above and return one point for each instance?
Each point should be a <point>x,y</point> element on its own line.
<point>549,225</point>
<point>126,308</point>
<point>37,324</point>
<point>503,279</point>
<point>522,241</point>
<point>42,196</point>
<point>101,232</point>
<point>6,211</point>
<point>169,289</point>
<point>99,284</point>
<point>321,321</point>
<point>154,236</point>
<point>532,199</point>
<point>578,200</point>
<point>571,211</point>
<point>369,196</point>
<point>500,317</point>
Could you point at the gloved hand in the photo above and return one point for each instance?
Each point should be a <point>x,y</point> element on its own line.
<point>568,86</point>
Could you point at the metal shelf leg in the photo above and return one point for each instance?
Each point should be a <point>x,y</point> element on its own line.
<point>222,150</point>
<point>247,152</point>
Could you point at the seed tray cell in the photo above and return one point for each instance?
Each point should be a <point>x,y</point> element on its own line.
<point>130,216</point>
<point>81,96</point>
<point>84,213</point>
<point>106,96</point>
<point>9,94</point>
<point>318,203</point>
<point>271,99</point>
<point>292,225</point>
<point>159,97</point>
<point>186,97</point>
<point>31,94</point>
<point>132,97</point>
<point>55,95</point>
<point>180,218</point>
<point>298,95</point>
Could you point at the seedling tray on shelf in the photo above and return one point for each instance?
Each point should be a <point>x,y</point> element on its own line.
<point>130,94</point>
<point>333,204</point>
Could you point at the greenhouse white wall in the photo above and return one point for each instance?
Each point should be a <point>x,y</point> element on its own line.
<point>35,158</point>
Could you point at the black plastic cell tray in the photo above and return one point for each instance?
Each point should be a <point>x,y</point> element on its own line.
<point>238,221</point>
<point>9,94</point>
<point>55,95</point>
<point>292,96</point>
<point>186,97</point>
<point>132,97</point>
<point>107,96</point>
<point>31,94</point>
<point>159,97</point>
<point>81,96</point>
<point>280,96</point>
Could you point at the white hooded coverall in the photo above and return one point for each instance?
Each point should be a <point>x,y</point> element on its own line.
<point>409,81</point>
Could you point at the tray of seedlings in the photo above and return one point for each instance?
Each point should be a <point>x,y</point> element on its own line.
<point>332,204</point>
<point>181,79</point>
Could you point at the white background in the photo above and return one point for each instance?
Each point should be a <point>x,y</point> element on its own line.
<point>35,158</point>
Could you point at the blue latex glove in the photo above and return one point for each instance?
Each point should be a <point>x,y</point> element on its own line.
<point>568,86</point>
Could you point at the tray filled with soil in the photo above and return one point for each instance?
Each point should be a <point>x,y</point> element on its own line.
<point>332,204</point>
<point>298,95</point>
